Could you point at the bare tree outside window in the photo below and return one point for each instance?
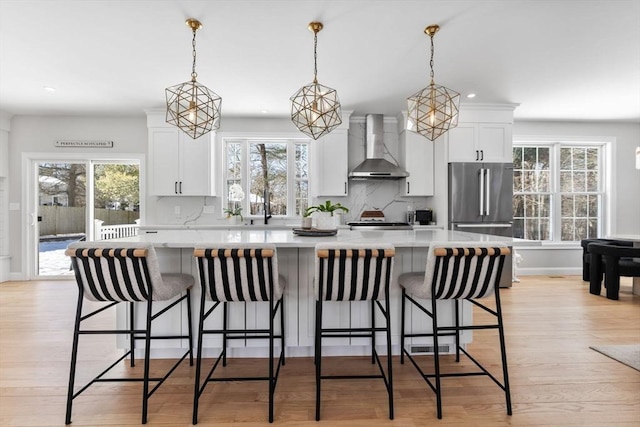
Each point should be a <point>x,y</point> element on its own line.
<point>576,203</point>
<point>280,167</point>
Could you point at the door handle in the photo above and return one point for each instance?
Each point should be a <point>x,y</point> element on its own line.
<point>487,177</point>
<point>481,191</point>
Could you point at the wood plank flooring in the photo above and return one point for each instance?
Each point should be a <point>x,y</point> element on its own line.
<point>550,323</point>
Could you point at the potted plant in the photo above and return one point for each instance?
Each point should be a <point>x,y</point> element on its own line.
<point>234,213</point>
<point>324,213</point>
<point>307,221</point>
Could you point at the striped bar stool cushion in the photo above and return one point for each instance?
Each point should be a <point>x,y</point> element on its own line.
<point>349,272</point>
<point>458,270</point>
<point>117,271</point>
<point>238,272</point>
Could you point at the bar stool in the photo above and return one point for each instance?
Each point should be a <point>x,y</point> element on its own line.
<point>126,272</point>
<point>354,272</point>
<point>459,272</point>
<point>237,273</point>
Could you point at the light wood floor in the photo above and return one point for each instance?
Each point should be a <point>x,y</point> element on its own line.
<point>550,324</point>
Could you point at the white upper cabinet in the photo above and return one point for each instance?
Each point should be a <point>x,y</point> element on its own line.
<point>179,165</point>
<point>483,134</point>
<point>331,166</point>
<point>416,157</point>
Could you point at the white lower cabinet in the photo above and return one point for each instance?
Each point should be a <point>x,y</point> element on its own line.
<point>297,265</point>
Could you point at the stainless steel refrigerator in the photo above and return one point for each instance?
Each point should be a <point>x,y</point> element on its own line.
<point>481,201</point>
<point>481,197</point>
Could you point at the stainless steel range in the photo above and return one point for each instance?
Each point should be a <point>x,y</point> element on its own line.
<point>375,220</point>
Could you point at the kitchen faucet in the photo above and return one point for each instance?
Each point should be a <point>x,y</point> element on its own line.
<point>265,207</point>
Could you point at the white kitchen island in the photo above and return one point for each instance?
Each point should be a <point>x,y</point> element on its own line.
<point>296,263</point>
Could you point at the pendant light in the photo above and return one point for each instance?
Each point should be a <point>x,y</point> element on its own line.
<point>433,110</point>
<point>191,106</point>
<point>315,109</point>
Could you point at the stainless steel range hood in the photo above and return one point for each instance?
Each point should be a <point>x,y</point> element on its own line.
<point>375,166</point>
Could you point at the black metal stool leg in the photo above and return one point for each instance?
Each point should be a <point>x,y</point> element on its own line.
<point>402,320</point>
<point>74,358</point>
<point>147,354</point>
<point>318,355</point>
<point>373,332</point>
<point>436,357</point>
<point>389,357</point>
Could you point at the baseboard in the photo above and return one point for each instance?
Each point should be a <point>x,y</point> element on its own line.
<point>546,271</point>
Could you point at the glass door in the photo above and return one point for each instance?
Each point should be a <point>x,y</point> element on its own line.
<point>82,200</point>
<point>61,214</point>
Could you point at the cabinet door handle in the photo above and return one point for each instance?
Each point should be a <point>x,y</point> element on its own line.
<point>481,154</point>
<point>408,187</point>
<point>345,187</point>
<point>175,187</point>
<point>180,187</point>
<point>477,155</point>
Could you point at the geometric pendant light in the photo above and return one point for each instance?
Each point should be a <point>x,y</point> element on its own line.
<point>315,108</point>
<point>433,110</point>
<point>191,106</point>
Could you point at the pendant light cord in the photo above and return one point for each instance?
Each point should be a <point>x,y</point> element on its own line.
<point>315,57</point>
<point>193,68</point>
<point>431,61</point>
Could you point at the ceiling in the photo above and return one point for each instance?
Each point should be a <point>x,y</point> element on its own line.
<point>560,60</point>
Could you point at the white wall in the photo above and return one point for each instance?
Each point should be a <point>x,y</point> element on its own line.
<point>5,128</point>
<point>37,134</point>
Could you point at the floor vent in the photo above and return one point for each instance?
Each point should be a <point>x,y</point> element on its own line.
<point>429,349</point>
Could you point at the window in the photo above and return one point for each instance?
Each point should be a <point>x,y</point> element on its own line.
<point>273,170</point>
<point>558,190</point>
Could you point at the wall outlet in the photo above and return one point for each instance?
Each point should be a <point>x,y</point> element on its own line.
<point>208,209</point>
<point>176,210</point>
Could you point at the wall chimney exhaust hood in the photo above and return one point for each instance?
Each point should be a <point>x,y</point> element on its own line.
<point>375,166</point>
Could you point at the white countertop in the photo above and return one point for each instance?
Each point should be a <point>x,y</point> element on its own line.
<point>284,238</point>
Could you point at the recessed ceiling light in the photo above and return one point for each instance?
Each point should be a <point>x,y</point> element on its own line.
<point>49,88</point>
<point>471,95</point>
<point>264,111</point>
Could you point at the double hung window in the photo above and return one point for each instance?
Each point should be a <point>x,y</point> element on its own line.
<point>558,190</point>
<point>269,171</point>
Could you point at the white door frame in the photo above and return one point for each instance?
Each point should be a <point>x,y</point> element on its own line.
<point>30,198</point>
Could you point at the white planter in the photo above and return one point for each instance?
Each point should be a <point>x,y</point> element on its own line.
<point>324,221</point>
<point>307,222</point>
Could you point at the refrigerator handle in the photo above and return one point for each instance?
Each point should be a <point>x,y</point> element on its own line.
<point>487,177</point>
<point>481,191</point>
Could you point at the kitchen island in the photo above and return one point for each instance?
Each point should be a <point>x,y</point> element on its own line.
<point>296,259</point>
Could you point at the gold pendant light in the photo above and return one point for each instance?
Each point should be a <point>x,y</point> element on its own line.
<point>315,109</point>
<point>191,106</point>
<point>433,110</point>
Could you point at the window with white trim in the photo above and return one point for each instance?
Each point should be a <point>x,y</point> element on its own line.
<point>558,190</point>
<point>277,168</point>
